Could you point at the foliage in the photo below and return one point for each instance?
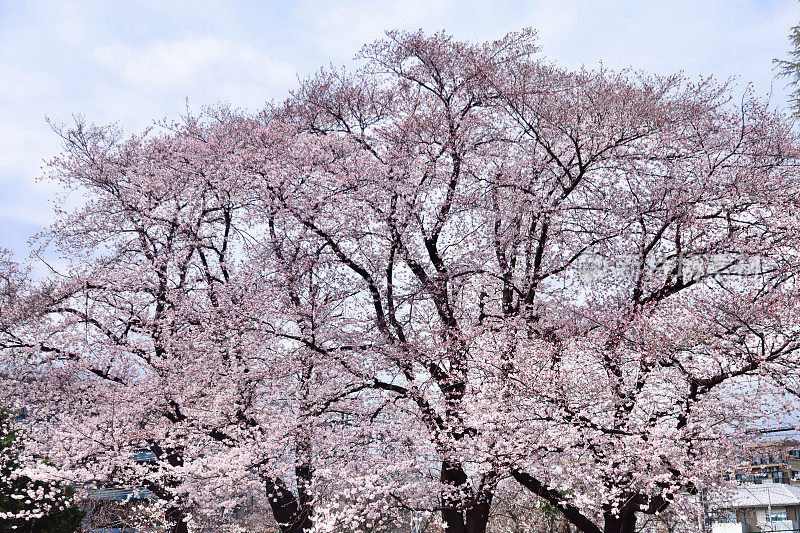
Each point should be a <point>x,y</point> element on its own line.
<point>790,68</point>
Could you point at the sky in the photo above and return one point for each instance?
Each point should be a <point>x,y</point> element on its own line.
<point>133,63</point>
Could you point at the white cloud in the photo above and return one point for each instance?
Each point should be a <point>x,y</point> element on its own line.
<point>176,64</point>
<point>339,29</point>
<point>69,23</point>
<point>133,63</point>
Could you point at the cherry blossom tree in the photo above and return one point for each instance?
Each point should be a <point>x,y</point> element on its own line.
<point>456,267</point>
<point>158,335</point>
<point>687,208</point>
<point>572,274</point>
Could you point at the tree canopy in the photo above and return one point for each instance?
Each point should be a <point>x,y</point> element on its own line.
<point>455,267</point>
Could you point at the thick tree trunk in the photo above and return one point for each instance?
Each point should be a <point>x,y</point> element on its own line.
<point>303,475</point>
<point>176,520</point>
<point>291,516</point>
<point>477,517</point>
<point>452,511</point>
<point>624,523</point>
<point>461,512</point>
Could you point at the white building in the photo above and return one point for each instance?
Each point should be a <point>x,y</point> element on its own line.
<point>768,507</point>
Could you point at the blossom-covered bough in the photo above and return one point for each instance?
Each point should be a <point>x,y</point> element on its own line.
<point>456,267</point>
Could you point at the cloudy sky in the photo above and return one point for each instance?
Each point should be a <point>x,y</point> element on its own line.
<point>135,62</point>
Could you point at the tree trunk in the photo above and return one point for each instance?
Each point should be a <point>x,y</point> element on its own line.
<point>624,523</point>
<point>461,512</point>
<point>478,517</point>
<point>294,512</point>
<point>176,520</point>
<point>452,513</point>
<point>303,476</point>
<point>287,511</point>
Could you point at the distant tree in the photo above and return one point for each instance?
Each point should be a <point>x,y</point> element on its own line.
<point>790,68</point>
<point>26,504</point>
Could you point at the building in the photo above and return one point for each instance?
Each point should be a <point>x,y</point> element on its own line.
<point>773,461</point>
<point>751,508</point>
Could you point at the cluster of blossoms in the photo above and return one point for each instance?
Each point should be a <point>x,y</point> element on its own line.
<point>31,492</point>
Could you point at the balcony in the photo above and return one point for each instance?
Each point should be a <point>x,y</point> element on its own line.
<point>784,526</point>
<point>729,527</point>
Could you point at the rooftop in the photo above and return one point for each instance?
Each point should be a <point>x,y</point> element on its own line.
<point>763,495</point>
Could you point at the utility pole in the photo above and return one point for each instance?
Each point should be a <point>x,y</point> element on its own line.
<point>769,511</point>
<point>701,513</point>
